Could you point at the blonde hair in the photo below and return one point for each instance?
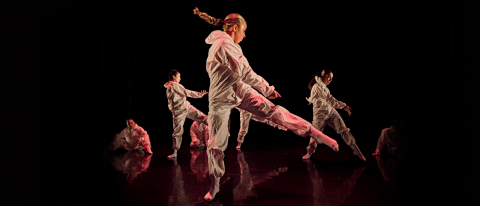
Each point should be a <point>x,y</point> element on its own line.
<point>230,20</point>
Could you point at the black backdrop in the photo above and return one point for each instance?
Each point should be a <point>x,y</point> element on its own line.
<point>78,69</point>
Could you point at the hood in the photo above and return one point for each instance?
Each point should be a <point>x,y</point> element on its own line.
<point>216,35</point>
<point>126,121</point>
<point>319,80</point>
<point>168,84</point>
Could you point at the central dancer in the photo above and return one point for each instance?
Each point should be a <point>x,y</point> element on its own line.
<point>231,82</point>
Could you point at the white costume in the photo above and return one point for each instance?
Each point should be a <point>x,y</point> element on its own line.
<point>199,134</point>
<point>231,82</point>
<point>131,139</point>
<point>245,123</point>
<point>181,109</point>
<point>389,140</point>
<point>325,113</point>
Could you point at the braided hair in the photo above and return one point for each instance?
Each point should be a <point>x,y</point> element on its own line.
<point>230,20</point>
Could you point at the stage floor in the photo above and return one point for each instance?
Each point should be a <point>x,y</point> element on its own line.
<point>266,175</point>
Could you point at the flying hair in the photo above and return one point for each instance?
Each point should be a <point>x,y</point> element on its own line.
<point>230,20</point>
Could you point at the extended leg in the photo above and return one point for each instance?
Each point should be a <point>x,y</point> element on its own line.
<point>258,105</point>
<point>337,123</point>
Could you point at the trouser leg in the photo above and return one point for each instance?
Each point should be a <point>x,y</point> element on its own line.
<point>218,129</point>
<point>244,125</point>
<point>319,123</point>
<point>178,121</point>
<point>258,105</point>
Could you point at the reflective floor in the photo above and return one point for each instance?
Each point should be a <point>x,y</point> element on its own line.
<point>268,176</point>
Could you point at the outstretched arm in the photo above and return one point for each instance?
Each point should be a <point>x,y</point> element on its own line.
<point>380,144</point>
<point>257,82</point>
<point>194,94</point>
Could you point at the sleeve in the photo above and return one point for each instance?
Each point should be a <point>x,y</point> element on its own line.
<point>381,142</point>
<point>123,133</point>
<point>332,101</point>
<point>313,93</point>
<point>257,82</point>
<point>193,94</point>
<point>177,89</point>
<point>145,137</point>
<point>193,132</point>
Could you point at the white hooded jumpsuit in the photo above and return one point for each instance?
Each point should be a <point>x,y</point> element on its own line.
<point>131,139</point>
<point>389,138</point>
<point>199,134</point>
<point>325,113</point>
<point>181,109</point>
<point>245,123</point>
<point>231,82</point>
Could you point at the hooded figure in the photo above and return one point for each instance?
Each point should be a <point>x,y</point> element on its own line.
<point>135,138</point>
<point>390,140</point>
<point>325,113</point>
<point>181,109</point>
<point>245,123</point>
<point>199,134</point>
<point>231,82</point>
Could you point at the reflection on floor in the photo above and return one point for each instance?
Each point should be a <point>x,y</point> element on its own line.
<point>271,176</point>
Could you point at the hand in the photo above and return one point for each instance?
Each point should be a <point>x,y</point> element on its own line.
<point>274,95</point>
<point>376,154</point>
<point>203,92</point>
<point>347,108</point>
<point>308,101</point>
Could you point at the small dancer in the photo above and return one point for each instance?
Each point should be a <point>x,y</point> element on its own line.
<point>390,140</point>
<point>199,134</point>
<point>231,82</point>
<point>325,113</point>
<point>133,137</point>
<point>181,108</point>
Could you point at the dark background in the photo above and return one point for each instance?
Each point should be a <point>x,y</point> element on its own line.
<point>76,70</point>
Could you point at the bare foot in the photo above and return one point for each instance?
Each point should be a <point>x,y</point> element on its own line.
<point>238,146</point>
<point>172,156</point>
<point>214,190</point>
<point>306,157</point>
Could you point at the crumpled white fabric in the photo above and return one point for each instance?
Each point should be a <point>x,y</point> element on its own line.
<point>245,118</point>
<point>131,139</point>
<point>198,133</point>
<point>182,109</point>
<point>389,138</point>
<point>231,82</point>
<point>325,113</point>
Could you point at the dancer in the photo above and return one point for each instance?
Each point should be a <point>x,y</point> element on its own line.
<point>325,113</point>
<point>245,123</point>
<point>181,108</point>
<point>199,135</point>
<point>133,137</point>
<point>389,140</point>
<point>231,82</point>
